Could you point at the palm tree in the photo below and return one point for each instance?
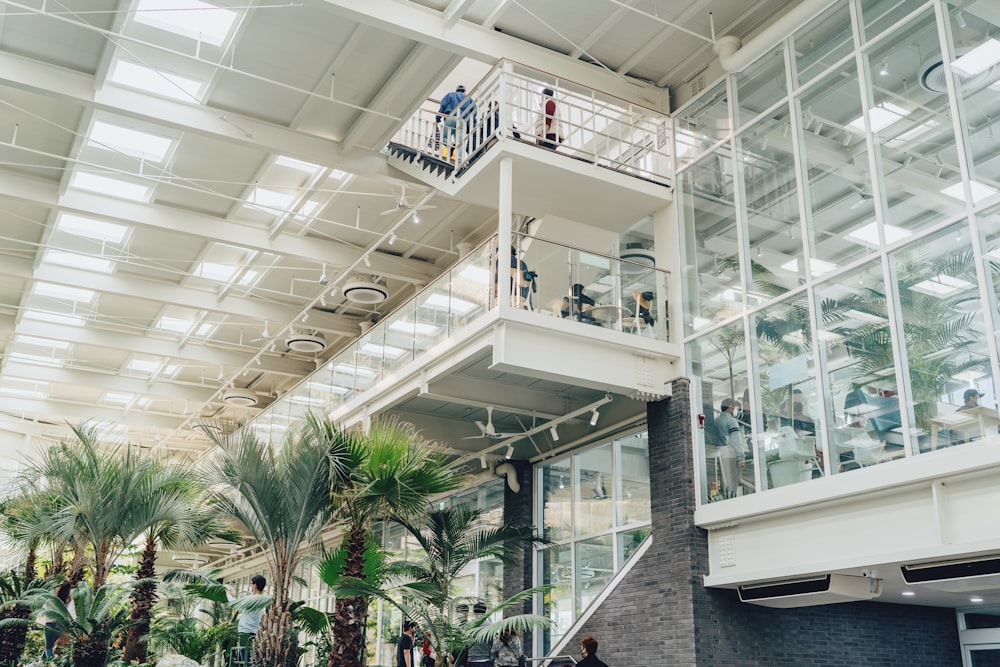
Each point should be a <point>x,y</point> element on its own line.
<point>389,472</point>
<point>451,539</point>
<point>13,590</point>
<point>178,512</point>
<point>94,495</point>
<point>281,494</point>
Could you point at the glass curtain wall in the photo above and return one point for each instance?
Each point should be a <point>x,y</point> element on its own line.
<point>840,216</point>
<point>593,505</point>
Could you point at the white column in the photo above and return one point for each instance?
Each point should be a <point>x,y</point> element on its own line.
<point>506,223</point>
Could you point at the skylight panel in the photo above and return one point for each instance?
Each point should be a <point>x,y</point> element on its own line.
<point>143,366</point>
<point>23,393</point>
<point>249,278</point>
<point>271,201</point>
<point>36,359</point>
<point>979,59</point>
<point>299,165</point>
<point>223,273</point>
<point>942,285</point>
<point>353,369</point>
<point>442,302</point>
<point>476,274</point>
<point>198,20</point>
<point>113,187</point>
<point>881,117</point>
<point>134,143</point>
<point>118,398</point>
<point>387,351</point>
<point>817,267</point>
<point>74,294</point>
<point>338,174</point>
<point>78,261</point>
<point>91,228</point>
<point>414,328</point>
<point>140,77</point>
<point>868,234</point>
<point>174,324</point>
<point>979,191</point>
<point>205,330</point>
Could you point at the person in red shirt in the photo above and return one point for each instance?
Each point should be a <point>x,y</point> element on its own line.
<point>548,123</point>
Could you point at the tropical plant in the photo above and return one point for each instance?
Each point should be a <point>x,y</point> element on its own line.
<point>98,616</point>
<point>13,589</point>
<point>450,539</point>
<point>281,494</point>
<point>93,495</point>
<point>177,511</point>
<point>390,471</point>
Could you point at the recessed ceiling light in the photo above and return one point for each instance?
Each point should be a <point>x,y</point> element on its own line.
<point>909,594</point>
<point>975,598</point>
<point>979,191</point>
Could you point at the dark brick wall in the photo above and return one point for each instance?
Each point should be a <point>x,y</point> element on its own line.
<point>661,614</point>
<point>517,510</point>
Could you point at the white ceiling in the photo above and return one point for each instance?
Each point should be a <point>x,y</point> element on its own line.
<point>230,233</point>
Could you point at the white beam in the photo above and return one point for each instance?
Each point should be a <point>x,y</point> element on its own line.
<point>209,228</point>
<point>108,381</point>
<point>602,29</point>
<point>422,24</point>
<point>116,340</point>
<point>456,11</point>
<point>69,411</point>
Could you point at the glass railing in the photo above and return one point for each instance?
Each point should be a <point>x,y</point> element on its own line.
<point>584,287</point>
<point>509,103</point>
<point>588,287</point>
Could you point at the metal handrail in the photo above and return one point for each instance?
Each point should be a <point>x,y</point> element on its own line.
<point>550,658</point>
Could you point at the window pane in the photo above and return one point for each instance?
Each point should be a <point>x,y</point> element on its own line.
<point>632,490</point>
<point>760,85</point>
<point>557,500</point>
<point>712,285</point>
<point>943,338</point>
<point>594,475</point>
<point>701,125</point>
<point>823,42</point>
<point>862,411</point>
<point>594,568</point>
<point>788,388</point>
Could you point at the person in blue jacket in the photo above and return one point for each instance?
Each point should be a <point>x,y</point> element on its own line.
<point>455,125</point>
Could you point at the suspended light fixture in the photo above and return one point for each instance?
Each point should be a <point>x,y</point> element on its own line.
<point>510,452</point>
<point>594,416</point>
<point>554,433</point>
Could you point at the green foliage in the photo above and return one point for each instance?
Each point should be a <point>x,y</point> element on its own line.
<point>187,637</point>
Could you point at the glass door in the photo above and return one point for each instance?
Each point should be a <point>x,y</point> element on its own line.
<point>982,655</point>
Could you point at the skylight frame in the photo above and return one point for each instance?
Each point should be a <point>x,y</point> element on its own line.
<point>190,22</point>
<point>110,186</point>
<point>77,260</point>
<point>63,292</point>
<point>128,74</point>
<point>130,141</point>
<point>112,233</point>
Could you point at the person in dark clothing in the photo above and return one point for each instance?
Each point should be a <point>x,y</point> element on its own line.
<point>588,648</point>
<point>404,650</point>
<point>577,304</point>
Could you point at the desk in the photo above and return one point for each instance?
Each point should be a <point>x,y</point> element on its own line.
<point>967,423</point>
<point>609,314</point>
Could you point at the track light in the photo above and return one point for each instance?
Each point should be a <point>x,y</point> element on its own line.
<point>960,20</point>
<point>594,416</point>
<point>416,219</point>
<point>367,261</point>
<point>510,452</point>
<point>554,433</point>
<point>482,461</point>
<point>392,239</point>
<point>322,301</point>
<point>884,71</point>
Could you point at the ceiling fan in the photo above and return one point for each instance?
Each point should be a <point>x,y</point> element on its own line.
<point>403,205</point>
<point>487,430</point>
<point>322,280</point>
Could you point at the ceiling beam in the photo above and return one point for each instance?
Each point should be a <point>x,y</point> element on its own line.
<point>108,381</point>
<point>242,308</point>
<point>602,29</point>
<point>126,342</point>
<point>210,228</point>
<point>422,24</point>
<point>60,411</point>
<point>455,11</point>
<point>78,88</point>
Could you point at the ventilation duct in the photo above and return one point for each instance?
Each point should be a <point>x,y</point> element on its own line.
<point>827,589</point>
<point>956,576</point>
<point>931,74</point>
<point>240,398</point>
<point>309,343</point>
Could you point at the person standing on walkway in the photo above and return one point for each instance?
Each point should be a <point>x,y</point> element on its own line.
<point>404,650</point>
<point>507,649</point>
<point>480,653</point>
<point>248,622</point>
<point>588,649</point>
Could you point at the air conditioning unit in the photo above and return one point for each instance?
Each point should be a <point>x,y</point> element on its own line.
<point>306,342</point>
<point>810,592</point>
<point>364,291</point>
<point>240,398</point>
<point>956,576</point>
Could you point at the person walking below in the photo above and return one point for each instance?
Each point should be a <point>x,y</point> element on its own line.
<point>404,650</point>
<point>248,622</point>
<point>588,648</point>
<point>507,649</point>
<point>480,653</point>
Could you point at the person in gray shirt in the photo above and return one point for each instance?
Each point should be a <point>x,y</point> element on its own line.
<point>480,653</point>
